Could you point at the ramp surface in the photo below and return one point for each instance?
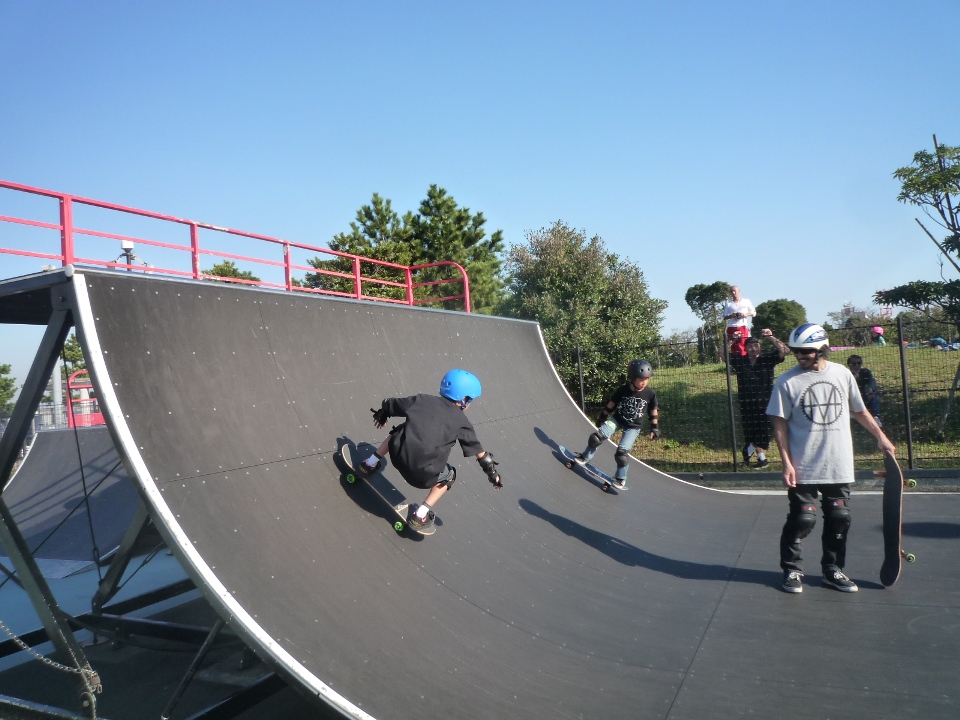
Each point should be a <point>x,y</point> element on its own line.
<point>71,499</point>
<point>547,599</point>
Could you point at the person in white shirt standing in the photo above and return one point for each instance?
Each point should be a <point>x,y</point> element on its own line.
<point>809,406</point>
<point>736,312</point>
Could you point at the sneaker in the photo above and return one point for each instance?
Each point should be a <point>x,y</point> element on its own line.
<point>792,581</point>
<point>619,484</point>
<point>416,523</point>
<point>836,579</point>
<point>762,463</point>
<point>579,459</point>
<point>746,454</point>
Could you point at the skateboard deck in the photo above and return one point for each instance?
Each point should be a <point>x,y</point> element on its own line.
<point>607,483</point>
<point>893,554</point>
<point>382,487</point>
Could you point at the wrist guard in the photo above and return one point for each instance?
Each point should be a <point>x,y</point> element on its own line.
<point>655,431</point>
<point>489,467</point>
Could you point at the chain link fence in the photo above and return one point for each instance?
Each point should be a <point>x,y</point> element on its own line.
<point>916,372</point>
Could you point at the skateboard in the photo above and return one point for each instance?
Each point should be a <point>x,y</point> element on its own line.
<point>382,487</point>
<point>893,553</point>
<point>608,484</point>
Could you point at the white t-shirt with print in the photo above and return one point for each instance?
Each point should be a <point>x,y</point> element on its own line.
<point>744,306</point>
<point>817,406</point>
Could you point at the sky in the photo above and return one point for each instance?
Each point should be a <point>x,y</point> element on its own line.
<point>748,142</point>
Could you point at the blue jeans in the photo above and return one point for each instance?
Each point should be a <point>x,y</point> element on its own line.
<point>627,440</point>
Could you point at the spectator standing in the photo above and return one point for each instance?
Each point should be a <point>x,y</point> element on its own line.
<point>755,372</point>
<point>736,312</point>
<point>809,405</point>
<point>867,384</point>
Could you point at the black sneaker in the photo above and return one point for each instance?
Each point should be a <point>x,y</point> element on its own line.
<point>762,463</point>
<point>579,459</point>
<point>416,523</point>
<point>792,581</point>
<point>619,484</point>
<point>839,581</point>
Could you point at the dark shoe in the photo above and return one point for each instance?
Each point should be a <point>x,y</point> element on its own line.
<point>579,459</point>
<point>367,470</point>
<point>416,523</point>
<point>839,581</point>
<point>762,463</point>
<point>792,581</point>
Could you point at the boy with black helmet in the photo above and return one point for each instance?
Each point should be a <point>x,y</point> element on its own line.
<point>809,407</point>
<point>625,411</point>
<point>420,447</point>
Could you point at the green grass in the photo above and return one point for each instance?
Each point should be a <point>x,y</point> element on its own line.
<point>695,414</point>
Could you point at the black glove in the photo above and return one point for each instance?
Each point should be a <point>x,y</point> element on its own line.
<point>654,432</point>
<point>380,417</point>
<point>489,466</point>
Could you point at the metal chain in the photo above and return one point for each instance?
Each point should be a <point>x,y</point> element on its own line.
<point>90,676</point>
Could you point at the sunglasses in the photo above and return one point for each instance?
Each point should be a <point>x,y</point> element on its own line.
<point>805,352</point>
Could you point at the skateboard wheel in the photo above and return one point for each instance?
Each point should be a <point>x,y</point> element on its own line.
<point>910,557</point>
<point>569,466</point>
<point>351,478</point>
<point>398,526</point>
<point>911,483</point>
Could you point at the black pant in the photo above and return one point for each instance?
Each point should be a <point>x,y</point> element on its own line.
<point>756,423</point>
<point>834,502</point>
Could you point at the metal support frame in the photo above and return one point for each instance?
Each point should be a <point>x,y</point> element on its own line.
<point>44,603</point>
<point>121,559</point>
<point>192,670</point>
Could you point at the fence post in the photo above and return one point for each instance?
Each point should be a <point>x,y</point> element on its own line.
<point>733,421</point>
<point>583,403</point>
<point>66,230</point>
<point>906,391</point>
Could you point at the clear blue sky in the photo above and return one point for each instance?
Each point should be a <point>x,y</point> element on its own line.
<point>751,142</point>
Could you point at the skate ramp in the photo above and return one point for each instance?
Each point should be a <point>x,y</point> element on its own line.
<point>71,499</point>
<point>547,599</point>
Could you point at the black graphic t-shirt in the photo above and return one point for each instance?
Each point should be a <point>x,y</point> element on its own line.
<point>817,406</point>
<point>632,405</point>
<point>755,381</point>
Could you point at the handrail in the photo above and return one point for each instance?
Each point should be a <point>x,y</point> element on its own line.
<point>68,254</point>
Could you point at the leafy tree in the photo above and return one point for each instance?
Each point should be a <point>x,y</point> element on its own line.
<point>582,295</point>
<point>8,387</point>
<point>781,316</point>
<point>932,183</point>
<point>229,269</point>
<point>707,303</point>
<point>440,230</point>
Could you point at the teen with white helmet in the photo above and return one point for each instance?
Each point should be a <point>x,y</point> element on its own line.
<point>809,406</point>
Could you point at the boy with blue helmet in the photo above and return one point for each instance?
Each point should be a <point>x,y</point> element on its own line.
<point>420,447</point>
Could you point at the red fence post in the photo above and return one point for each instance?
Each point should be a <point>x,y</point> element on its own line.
<point>66,230</point>
<point>358,288</point>
<point>287,269</point>
<point>195,249</point>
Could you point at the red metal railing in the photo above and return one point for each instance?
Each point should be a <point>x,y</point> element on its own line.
<point>68,254</point>
<point>83,412</point>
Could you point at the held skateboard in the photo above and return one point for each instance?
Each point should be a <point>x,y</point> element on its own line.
<point>381,486</point>
<point>893,553</point>
<point>608,482</point>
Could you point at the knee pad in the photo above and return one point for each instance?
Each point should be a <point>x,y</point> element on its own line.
<point>451,478</point>
<point>836,516</point>
<point>621,457</point>
<point>595,440</point>
<point>801,521</point>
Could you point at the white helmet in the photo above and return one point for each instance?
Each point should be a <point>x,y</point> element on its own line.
<point>809,336</point>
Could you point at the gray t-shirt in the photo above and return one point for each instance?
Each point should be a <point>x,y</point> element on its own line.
<point>817,406</point>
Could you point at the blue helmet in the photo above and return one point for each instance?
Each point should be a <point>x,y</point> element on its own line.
<point>460,386</point>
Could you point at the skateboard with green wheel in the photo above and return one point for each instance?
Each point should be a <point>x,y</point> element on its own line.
<point>893,553</point>
<point>384,489</point>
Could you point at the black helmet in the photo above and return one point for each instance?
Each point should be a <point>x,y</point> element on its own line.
<point>639,369</point>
